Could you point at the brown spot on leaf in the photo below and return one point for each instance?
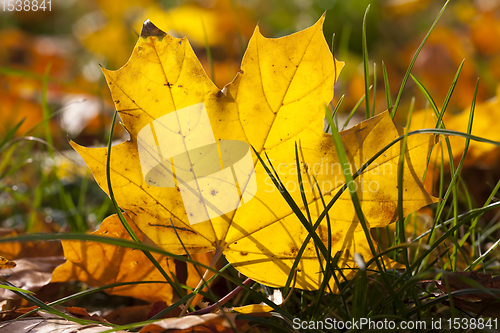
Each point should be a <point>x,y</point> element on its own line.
<point>244,253</point>
<point>151,30</point>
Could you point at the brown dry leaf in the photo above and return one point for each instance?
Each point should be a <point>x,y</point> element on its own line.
<point>209,321</point>
<point>73,311</point>
<point>49,324</point>
<point>462,280</point>
<point>481,303</point>
<point>483,308</point>
<point>135,314</point>
<point>80,313</point>
<point>29,274</point>
<point>98,264</point>
<point>16,312</point>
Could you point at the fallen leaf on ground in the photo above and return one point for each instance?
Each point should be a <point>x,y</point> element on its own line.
<point>29,274</point>
<point>226,320</point>
<point>276,101</point>
<point>98,264</point>
<point>135,314</point>
<point>469,280</point>
<point>16,312</point>
<point>49,325</point>
<point>480,302</point>
<point>73,311</point>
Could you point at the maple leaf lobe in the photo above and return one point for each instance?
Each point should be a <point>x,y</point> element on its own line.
<point>151,30</point>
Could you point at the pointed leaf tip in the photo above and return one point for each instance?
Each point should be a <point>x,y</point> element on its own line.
<point>151,30</point>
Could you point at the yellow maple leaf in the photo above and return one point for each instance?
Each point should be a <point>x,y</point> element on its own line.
<point>480,154</point>
<point>169,107</point>
<point>98,264</point>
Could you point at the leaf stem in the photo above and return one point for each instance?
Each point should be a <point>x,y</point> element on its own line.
<point>222,301</point>
<point>217,255</point>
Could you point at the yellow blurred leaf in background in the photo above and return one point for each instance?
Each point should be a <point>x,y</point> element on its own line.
<point>6,263</point>
<point>479,154</point>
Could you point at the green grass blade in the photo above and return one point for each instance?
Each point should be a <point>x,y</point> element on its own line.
<point>352,112</point>
<point>481,258</point>
<point>124,222</point>
<point>11,133</point>
<point>458,171</point>
<point>401,219</point>
<point>339,146</point>
<point>452,88</point>
<point>301,184</point>
<point>429,99</point>
<point>374,89</point>
<point>32,299</point>
<point>139,246</point>
<point>462,219</point>
<point>366,68</point>
<point>334,113</point>
<point>296,210</point>
<point>3,286</point>
<point>89,292</point>
<point>387,87</point>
